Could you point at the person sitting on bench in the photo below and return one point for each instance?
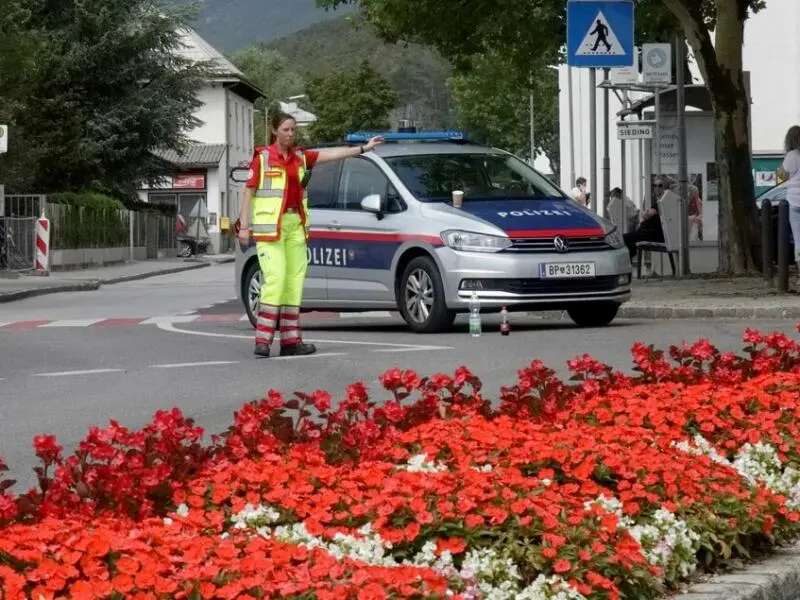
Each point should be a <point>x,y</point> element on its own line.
<point>650,229</point>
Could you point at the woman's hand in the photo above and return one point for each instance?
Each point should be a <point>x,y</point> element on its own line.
<point>377,140</point>
<point>243,234</point>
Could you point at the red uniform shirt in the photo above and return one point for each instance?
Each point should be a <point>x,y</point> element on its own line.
<point>293,192</point>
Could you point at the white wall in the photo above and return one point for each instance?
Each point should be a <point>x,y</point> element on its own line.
<point>212,115</point>
<point>240,148</point>
<point>771,53</point>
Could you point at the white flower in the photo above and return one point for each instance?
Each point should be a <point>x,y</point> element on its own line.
<point>420,464</point>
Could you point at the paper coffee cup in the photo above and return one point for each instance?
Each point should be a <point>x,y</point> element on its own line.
<point>458,198</point>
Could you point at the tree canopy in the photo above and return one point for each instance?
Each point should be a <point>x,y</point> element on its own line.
<point>90,89</point>
<point>358,99</point>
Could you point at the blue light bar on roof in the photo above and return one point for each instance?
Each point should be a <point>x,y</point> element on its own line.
<point>395,136</point>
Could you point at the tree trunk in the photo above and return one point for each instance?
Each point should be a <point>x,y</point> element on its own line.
<point>721,67</point>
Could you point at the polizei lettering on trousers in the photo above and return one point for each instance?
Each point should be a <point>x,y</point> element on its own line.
<point>536,213</point>
<point>328,257</point>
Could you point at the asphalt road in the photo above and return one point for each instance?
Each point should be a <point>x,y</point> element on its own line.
<point>67,376</point>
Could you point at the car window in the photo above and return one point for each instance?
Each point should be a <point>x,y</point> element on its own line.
<point>360,178</point>
<point>322,185</point>
<point>481,176</point>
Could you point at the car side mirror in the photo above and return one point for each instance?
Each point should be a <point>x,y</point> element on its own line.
<point>240,174</point>
<point>374,204</point>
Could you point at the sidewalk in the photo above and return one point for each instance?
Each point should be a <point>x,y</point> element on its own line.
<point>17,287</point>
<point>706,297</point>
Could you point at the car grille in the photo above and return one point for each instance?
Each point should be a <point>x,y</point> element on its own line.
<point>545,245</point>
<point>605,283</point>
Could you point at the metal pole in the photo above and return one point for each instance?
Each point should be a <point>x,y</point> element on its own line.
<point>533,144</point>
<point>683,161</point>
<point>130,233</point>
<point>657,140</point>
<point>593,139</point>
<point>623,173</point>
<point>572,175</point>
<point>783,246</point>
<point>766,240</point>
<point>606,159</point>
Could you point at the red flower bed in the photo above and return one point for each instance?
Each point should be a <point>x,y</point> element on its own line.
<point>608,486</point>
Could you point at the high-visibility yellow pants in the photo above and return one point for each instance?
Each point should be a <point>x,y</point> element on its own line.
<point>284,264</point>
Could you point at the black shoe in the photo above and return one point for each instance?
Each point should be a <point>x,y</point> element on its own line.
<point>262,350</point>
<point>299,349</point>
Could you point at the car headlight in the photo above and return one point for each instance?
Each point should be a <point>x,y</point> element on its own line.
<point>614,239</point>
<point>474,242</point>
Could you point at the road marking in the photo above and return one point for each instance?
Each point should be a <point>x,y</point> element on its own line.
<point>309,356</point>
<point>368,314</point>
<point>209,363</point>
<point>169,319</point>
<point>85,372</point>
<point>72,323</point>
<point>392,347</point>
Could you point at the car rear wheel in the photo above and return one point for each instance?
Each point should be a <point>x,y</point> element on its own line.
<point>594,314</point>
<point>421,297</point>
<point>251,291</point>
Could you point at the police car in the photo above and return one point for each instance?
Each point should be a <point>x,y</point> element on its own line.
<point>384,235</point>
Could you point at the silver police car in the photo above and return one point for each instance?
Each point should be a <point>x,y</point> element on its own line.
<point>384,235</point>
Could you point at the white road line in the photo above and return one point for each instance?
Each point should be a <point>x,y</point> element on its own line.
<point>244,318</point>
<point>72,323</point>
<point>85,372</point>
<point>276,357</point>
<point>415,349</point>
<point>164,326</point>
<point>170,319</point>
<point>209,363</point>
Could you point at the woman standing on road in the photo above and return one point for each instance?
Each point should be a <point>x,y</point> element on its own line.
<point>275,211</point>
<point>790,171</point>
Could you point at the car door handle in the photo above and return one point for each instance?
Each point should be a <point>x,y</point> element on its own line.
<point>335,225</point>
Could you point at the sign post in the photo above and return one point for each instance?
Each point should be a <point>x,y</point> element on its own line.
<point>3,139</point>
<point>599,36</point>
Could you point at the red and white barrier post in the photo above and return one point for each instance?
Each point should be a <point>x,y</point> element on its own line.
<point>43,246</point>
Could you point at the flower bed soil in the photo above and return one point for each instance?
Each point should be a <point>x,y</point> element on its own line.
<point>607,486</point>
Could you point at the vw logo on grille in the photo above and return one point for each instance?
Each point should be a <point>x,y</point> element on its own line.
<point>560,243</point>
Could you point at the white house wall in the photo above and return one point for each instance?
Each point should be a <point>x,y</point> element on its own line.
<point>771,49</point>
<point>212,115</point>
<point>240,146</point>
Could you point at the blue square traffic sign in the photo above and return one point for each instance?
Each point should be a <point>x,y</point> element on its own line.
<point>600,33</point>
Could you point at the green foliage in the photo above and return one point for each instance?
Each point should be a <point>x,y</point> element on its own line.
<point>86,220</point>
<point>86,199</point>
<point>418,74</point>
<point>496,110</point>
<point>271,72</point>
<point>344,101</point>
<point>101,86</point>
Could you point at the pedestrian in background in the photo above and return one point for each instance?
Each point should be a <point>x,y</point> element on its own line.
<point>579,192</point>
<point>790,172</point>
<point>275,211</point>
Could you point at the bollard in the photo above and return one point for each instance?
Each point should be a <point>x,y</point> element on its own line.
<point>42,246</point>
<point>766,241</point>
<point>783,246</point>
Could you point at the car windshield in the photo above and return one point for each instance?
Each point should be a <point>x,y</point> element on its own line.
<point>485,176</point>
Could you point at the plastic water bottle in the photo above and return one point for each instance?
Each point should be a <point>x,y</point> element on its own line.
<point>474,315</point>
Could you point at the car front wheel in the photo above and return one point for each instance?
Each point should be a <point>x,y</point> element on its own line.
<point>251,291</point>
<point>593,314</point>
<point>421,297</point>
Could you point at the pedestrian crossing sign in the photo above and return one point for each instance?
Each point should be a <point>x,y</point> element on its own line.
<point>600,33</point>
<point>600,39</point>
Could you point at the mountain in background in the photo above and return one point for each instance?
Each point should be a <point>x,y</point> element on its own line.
<point>230,25</point>
<point>418,74</point>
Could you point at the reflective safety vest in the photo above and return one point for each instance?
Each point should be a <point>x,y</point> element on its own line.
<point>269,200</point>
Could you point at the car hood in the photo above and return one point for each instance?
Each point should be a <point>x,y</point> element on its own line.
<point>532,218</point>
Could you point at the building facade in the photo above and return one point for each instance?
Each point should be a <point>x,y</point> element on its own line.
<point>206,196</point>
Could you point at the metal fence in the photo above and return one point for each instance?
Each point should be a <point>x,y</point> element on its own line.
<point>17,243</point>
<point>81,227</point>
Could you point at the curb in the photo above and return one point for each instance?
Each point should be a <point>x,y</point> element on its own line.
<point>698,312</point>
<point>136,277</point>
<point>776,577</point>
<point>94,284</point>
<point>83,286</point>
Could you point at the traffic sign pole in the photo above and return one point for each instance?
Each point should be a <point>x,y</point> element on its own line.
<point>684,267</point>
<point>593,139</point>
